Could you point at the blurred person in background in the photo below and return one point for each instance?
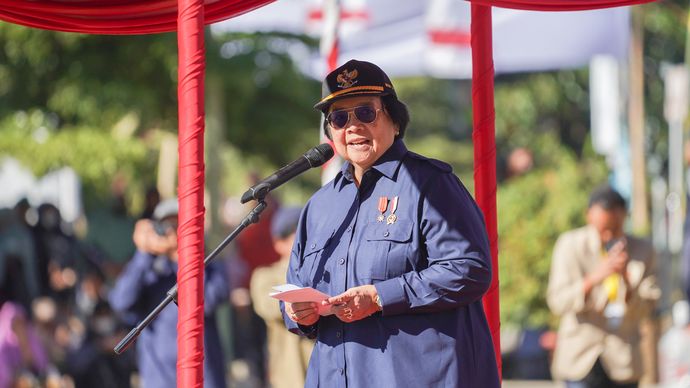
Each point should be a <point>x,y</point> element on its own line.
<point>95,330</point>
<point>685,256</point>
<point>151,199</point>
<point>602,283</point>
<point>60,257</point>
<point>110,225</point>
<point>143,284</point>
<point>288,354</point>
<point>90,359</point>
<point>19,278</point>
<point>252,250</point>
<point>23,360</point>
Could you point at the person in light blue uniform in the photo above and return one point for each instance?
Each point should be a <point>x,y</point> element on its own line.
<point>143,284</point>
<point>399,244</point>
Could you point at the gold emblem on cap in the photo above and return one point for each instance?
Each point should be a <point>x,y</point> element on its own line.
<point>347,78</point>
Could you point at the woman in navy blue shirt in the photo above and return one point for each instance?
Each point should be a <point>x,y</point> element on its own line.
<point>400,245</point>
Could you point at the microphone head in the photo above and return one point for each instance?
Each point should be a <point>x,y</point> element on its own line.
<point>319,154</point>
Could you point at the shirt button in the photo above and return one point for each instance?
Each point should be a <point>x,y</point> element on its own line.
<point>341,261</point>
<point>341,371</point>
<point>313,246</point>
<point>349,229</point>
<point>386,234</point>
<point>337,334</point>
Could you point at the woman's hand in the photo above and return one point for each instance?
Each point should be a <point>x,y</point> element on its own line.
<point>355,304</point>
<point>303,313</point>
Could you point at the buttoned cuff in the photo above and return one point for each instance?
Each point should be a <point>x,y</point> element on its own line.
<point>308,331</point>
<point>392,296</point>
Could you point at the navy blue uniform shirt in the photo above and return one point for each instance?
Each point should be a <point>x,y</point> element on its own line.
<point>430,267</point>
<point>139,289</point>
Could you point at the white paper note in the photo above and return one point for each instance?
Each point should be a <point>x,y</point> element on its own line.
<point>292,294</point>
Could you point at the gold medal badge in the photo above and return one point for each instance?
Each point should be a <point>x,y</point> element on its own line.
<point>394,206</point>
<point>383,205</point>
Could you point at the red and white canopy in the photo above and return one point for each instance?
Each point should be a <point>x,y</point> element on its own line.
<point>188,18</point>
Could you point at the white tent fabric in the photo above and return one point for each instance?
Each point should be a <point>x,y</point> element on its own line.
<point>411,37</point>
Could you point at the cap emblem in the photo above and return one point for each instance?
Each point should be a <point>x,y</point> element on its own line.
<point>347,78</point>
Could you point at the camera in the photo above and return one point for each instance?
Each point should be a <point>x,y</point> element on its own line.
<point>612,242</point>
<point>162,227</point>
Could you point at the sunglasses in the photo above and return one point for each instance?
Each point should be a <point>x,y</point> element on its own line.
<point>339,119</point>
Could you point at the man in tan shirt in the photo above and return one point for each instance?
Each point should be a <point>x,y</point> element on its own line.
<point>602,283</point>
<point>288,354</point>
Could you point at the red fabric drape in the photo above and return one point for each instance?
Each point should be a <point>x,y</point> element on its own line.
<point>125,17</point>
<point>190,276</point>
<point>483,136</point>
<point>558,5</point>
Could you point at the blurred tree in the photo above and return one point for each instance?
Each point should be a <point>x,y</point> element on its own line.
<point>31,138</point>
<point>268,101</point>
<point>533,210</point>
<point>89,80</point>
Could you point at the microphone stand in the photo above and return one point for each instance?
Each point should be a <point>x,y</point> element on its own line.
<point>171,295</point>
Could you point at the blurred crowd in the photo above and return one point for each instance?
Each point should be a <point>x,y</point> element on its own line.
<point>58,326</point>
<point>59,322</point>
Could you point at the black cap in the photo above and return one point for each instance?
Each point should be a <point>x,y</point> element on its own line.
<point>354,78</point>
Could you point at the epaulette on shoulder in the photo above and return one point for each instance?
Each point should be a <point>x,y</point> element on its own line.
<point>443,166</point>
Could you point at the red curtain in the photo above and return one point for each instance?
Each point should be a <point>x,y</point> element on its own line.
<point>125,17</point>
<point>558,5</point>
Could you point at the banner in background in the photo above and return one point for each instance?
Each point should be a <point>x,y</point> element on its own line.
<point>411,37</point>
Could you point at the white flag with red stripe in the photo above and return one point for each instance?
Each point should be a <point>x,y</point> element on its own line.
<point>412,37</point>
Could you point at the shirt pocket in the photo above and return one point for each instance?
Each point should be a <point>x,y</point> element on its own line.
<point>313,262</point>
<point>385,250</point>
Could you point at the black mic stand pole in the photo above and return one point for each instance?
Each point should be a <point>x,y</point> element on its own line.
<point>171,295</point>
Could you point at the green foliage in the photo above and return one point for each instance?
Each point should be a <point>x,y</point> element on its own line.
<point>460,155</point>
<point>268,101</point>
<point>95,155</point>
<point>533,210</point>
<point>89,80</point>
<point>440,107</point>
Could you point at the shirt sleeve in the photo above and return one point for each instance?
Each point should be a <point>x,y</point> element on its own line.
<point>127,289</point>
<point>453,236</point>
<point>565,291</point>
<point>216,290</point>
<point>645,294</point>
<point>292,277</point>
<point>260,286</point>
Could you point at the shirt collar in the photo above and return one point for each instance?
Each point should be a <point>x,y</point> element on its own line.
<point>387,165</point>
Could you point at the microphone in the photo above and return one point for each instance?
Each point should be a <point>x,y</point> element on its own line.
<point>312,158</point>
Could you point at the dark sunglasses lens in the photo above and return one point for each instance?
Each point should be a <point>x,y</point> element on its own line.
<point>338,118</point>
<point>365,114</point>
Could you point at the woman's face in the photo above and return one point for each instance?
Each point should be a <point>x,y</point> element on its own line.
<point>359,143</point>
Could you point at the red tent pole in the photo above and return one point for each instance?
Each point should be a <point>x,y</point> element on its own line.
<point>190,275</point>
<point>484,137</point>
